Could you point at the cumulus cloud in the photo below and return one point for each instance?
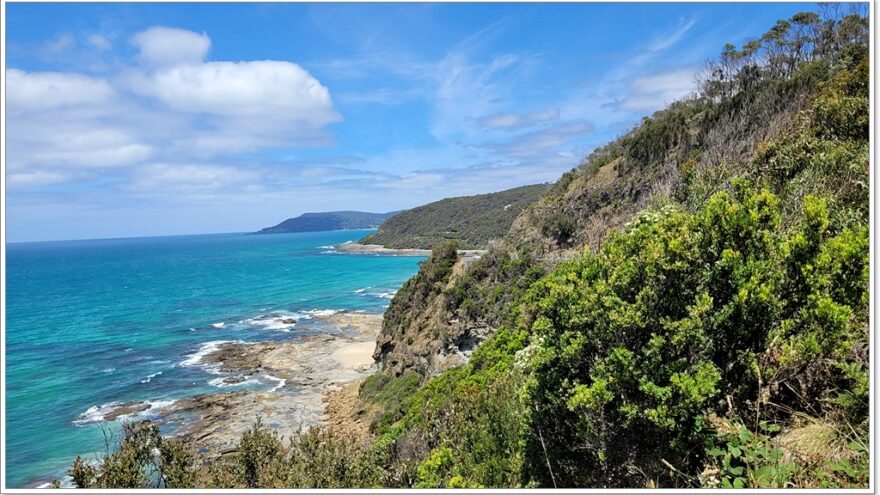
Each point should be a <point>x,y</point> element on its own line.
<point>41,91</point>
<point>173,106</point>
<point>263,88</point>
<point>65,120</point>
<point>161,46</point>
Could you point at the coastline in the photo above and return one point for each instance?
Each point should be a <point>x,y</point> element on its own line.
<point>378,249</point>
<point>307,374</point>
<point>310,371</point>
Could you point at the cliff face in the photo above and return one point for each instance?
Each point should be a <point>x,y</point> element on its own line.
<point>419,332</point>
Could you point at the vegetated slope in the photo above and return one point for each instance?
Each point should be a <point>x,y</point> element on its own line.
<point>330,220</point>
<point>681,154</point>
<point>718,337</point>
<point>471,220</point>
<point>697,317</point>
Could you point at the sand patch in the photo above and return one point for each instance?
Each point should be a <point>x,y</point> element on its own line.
<point>355,355</point>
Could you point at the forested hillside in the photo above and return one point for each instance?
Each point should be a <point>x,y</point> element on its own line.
<point>329,220</point>
<point>473,221</point>
<point>686,308</point>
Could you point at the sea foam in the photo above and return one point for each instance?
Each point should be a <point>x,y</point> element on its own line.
<point>205,349</point>
<point>281,382</point>
<point>284,322</point>
<point>150,377</point>
<point>97,414</point>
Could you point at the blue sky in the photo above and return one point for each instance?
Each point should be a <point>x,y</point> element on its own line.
<point>156,119</point>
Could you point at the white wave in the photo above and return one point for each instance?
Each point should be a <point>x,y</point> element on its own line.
<point>221,382</point>
<point>281,382</point>
<point>150,377</point>
<point>108,370</point>
<point>283,322</point>
<point>366,292</point>
<point>322,312</point>
<point>158,405</point>
<point>97,414</point>
<point>205,349</point>
<point>219,324</point>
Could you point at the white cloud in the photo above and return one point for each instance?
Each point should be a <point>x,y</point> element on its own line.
<point>263,88</point>
<point>99,42</point>
<point>465,91</point>
<point>418,181</point>
<point>160,46</point>
<point>40,91</point>
<point>518,120</point>
<point>58,45</point>
<point>35,178</point>
<point>174,108</point>
<point>670,39</point>
<point>537,143</point>
<point>76,146</point>
<point>65,120</point>
<point>654,91</point>
<point>167,178</point>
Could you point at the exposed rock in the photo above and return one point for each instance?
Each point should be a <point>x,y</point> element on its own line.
<point>304,371</point>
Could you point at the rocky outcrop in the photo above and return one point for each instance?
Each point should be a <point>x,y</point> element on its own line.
<point>421,331</point>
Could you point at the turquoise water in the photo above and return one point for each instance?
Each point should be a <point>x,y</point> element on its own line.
<point>100,321</point>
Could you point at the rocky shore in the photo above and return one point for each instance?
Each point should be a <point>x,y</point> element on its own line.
<point>307,373</point>
<point>356,248</point>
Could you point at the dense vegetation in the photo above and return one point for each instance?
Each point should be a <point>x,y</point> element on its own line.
<point>688,308</point>
<point>330,220</point>
<point>471,220</point>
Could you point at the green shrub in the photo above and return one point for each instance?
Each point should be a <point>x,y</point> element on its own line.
<point>633,346</point>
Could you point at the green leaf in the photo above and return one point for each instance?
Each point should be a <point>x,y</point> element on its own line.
<point>734,451</point>
<point>739,482</point>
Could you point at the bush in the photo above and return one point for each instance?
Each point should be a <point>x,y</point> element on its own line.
<point>634,345</point>
<point>142,459</point>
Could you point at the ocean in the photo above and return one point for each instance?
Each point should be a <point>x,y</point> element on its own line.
<point>94,322</point>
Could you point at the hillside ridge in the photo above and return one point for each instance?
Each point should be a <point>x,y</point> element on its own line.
<point>473,221</point>
<point>329,220</point>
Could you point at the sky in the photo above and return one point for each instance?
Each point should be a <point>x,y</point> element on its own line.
<point>160,119</point>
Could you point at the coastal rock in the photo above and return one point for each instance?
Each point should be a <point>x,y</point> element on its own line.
<point>304,371</point>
